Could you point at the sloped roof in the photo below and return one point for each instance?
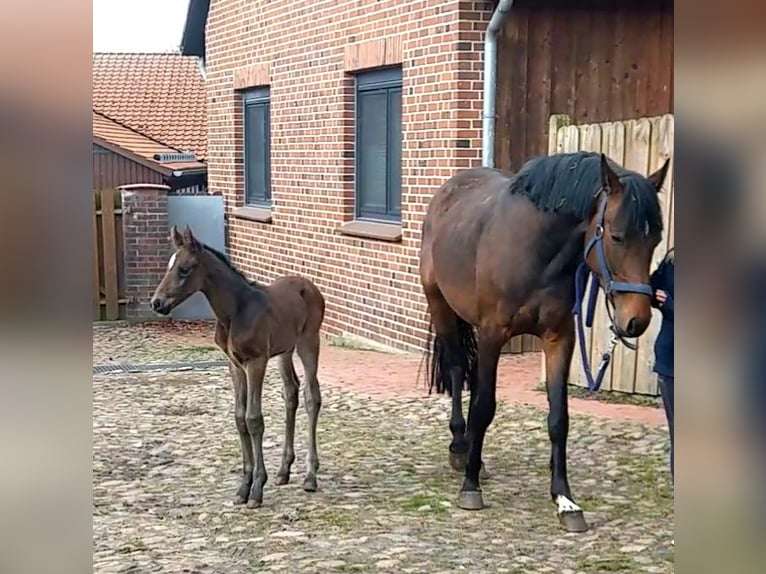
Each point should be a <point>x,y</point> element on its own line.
<point>159,95</point>
<point>121,139</point>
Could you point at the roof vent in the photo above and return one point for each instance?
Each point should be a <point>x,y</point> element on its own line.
<point>174,157</point>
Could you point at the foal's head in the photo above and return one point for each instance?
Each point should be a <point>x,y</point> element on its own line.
<point>628,218</point>
<point>185,275</point>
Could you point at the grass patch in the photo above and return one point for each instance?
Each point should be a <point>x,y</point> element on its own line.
<point>196,353</point>
<point>424,503</point>
<point>336,518</point>
<point>614,397</point>
<point>591,502</point>
<point>354,344</point>
<point>608,564</point>
<point>646,473</point>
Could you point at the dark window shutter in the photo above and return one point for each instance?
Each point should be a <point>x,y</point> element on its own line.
<point>379,144</point>
<point>372,152</point>
<point>257,148</point>
<point>395,152</point>
<point>267,152</point>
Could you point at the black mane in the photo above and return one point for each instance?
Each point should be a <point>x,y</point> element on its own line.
<point>570,183</point>
<point>225,260</point>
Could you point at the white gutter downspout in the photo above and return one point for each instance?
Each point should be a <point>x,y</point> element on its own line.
<point>201,67</point>
<point>490,82</point>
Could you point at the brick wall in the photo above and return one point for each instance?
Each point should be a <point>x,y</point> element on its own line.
<point>304,51</point>
<point>146,237</point>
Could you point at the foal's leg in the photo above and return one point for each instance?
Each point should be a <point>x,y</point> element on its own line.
<point>481,413</point>
<point>255,370</point>
<point>239,379</point>
<point>558,348</point>
<point>290,387</point>
<point>308,351</point>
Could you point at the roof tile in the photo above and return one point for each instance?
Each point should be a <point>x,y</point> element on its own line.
<point>133,142</point>
<point>159,95</point>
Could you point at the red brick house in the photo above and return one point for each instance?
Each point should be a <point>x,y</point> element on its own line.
<point>149,121</point>
<point>331,124</point>
<point>292,87</point>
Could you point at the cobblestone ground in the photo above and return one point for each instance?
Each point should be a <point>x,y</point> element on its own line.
<point>167,462</point>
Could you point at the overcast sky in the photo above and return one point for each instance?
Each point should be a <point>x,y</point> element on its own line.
<point>138,25</point>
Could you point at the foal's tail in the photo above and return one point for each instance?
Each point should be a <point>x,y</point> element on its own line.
<point>437,358</point>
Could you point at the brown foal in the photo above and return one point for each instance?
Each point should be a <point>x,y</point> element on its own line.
<point>254,323</point>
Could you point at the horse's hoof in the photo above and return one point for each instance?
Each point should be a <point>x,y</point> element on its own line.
<point>573,521</point>
<point>310,484</point>
<point>253,503</point>
<point>458,461</point>
<point>283,479</point>
<point>470,500</point>
<point>243,492</point>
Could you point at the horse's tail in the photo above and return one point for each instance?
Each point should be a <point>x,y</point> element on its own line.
<point>436,357</point>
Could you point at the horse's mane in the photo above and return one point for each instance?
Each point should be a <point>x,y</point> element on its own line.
<point>570,183</point>
<point>225,260</point>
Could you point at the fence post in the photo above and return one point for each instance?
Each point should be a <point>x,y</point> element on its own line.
<point>555,122</point>
<point>147,243</point>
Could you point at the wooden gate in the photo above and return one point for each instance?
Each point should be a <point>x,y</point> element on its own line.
<point>641,145</point>
<point>109,300</point>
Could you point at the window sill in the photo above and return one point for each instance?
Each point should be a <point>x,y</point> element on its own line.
<point>260,214</point>
<point>391,232</point>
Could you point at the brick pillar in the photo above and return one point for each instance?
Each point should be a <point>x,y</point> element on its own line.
<point>147,244</point>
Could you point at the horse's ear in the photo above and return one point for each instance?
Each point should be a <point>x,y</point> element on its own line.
<point>176,237</point>
<point>658,177</point>
<point>609,180</point>
<point>190,241</point>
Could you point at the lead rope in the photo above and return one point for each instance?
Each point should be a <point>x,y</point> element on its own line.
<point>581,281</point>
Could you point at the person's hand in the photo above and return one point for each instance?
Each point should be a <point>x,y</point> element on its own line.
<point>661,296</point>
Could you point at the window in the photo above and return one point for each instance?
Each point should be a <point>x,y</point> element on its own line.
<point>379,144</point>
<point>257,147</point>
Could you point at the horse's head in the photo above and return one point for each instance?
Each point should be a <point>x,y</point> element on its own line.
<point>624,231</point>
<point>184,275</point>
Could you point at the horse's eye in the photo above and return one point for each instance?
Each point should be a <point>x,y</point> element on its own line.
<point>618,238</point>
<point>184,271</point>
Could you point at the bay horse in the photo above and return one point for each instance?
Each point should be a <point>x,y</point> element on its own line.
<point>498,258</point>
<point>254,323</point>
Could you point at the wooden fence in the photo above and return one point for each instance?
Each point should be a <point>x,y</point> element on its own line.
<point>522,344</point>
<point>109,300</point>
<point>641,145</point>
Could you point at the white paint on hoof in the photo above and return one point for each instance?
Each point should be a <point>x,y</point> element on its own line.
<point>172,260</point>
<point>566,505</point>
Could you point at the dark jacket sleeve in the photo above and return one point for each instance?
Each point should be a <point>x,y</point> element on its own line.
<point>667,308</point>
<point>656,280</point>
